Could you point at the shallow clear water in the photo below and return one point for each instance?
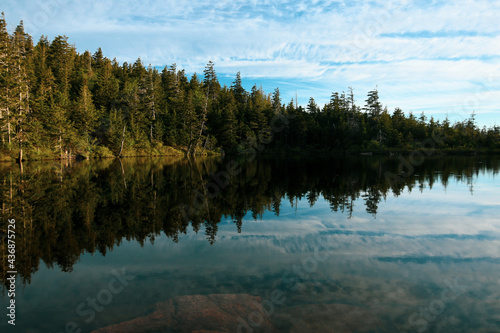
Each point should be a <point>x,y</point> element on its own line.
<point>324,245</point>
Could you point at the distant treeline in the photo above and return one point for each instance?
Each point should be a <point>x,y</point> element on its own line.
<point>56,102</point>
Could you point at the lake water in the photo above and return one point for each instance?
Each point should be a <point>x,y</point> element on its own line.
<point>348,244</point>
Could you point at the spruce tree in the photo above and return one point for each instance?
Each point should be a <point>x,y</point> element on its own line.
<point>6,84</point>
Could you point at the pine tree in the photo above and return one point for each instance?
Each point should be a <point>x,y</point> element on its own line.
<point>222,121</point>
<point>43,89</point>
<point>373,106</point>
<point>85,116</point>
<point>229,126</point>
<point>257,121</point>
<point>312,107</point>
<point>240,97</point>
<point>5,81</point>
<point>276,102</point>
<point>153,98</point>
<point>114,132</point>
<point>107,86</point>
<point>22,46</point>
<point>60,58</point>
<point>238,91</point>
<point>173,97</point>
<point>210,81</point>
<point>59,129</point>
<point>191,125</point>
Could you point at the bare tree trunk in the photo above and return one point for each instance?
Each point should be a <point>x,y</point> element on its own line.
<point>20,134</point>
<point>190,139</point>
<point>203,121</point>
<point>8,126</point>
<point>204,145</point>
<point>204,189</point>
<point>61,172</point>
<point>8,111</point>
<point>123,173</point>
<point>123,141</point>
<point>3,136</point>
<point>153,118</point>
<point>60,144</point>
<point>20,152</point>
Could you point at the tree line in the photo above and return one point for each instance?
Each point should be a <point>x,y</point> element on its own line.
<point>56,102</point>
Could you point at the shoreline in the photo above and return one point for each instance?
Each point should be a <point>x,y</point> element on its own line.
<point>267,152</point>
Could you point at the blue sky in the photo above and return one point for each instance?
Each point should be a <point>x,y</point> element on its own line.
<point>437,57</point>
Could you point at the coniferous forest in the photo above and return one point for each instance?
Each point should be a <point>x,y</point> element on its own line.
<point>58,103</point>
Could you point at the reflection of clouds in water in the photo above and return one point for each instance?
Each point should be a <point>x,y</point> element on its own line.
<point>388,266</point>
<point>404,230</point>
<point>378,244</point>
<point>436,210</point>
<point>353,287</point>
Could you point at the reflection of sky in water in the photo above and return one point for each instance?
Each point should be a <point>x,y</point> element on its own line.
<point>389,265</point>
<point>436,222</point>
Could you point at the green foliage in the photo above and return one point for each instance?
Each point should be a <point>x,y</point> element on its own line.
<point>55,102</point>
<point>101,152</point>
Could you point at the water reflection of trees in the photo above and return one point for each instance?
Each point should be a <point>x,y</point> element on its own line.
<point>64,210</point>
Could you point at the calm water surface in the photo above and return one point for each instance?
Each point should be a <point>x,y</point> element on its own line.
<point>359,244</point>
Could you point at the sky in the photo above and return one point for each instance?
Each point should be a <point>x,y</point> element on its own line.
<point>437,57</point>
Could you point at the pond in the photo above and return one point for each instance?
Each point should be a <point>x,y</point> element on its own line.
<point>267,244</point>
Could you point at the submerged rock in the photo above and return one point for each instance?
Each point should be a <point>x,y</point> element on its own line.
<point>325,318</point>
<point>197,313</point>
